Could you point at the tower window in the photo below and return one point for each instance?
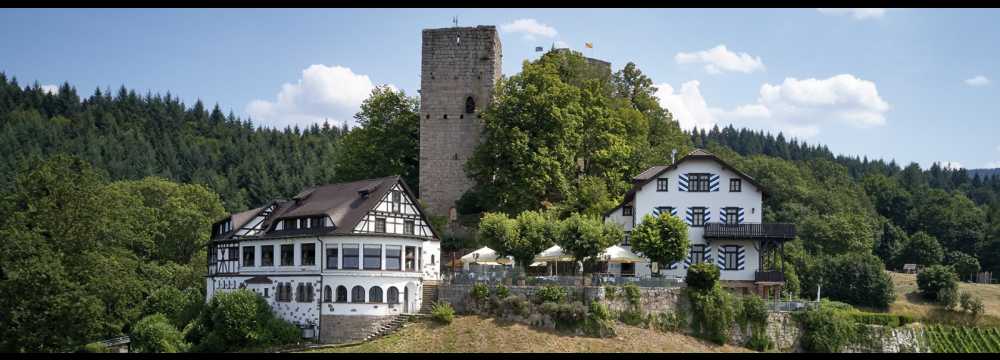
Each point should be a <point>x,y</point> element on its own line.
<point>470,105</point>
<point>445,116</point>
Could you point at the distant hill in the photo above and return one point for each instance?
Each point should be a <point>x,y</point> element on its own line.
<point>984,172</point>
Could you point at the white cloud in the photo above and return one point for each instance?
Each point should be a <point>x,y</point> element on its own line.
<point>531,28</point>
<point>978,80</point>
<point>952,165</point>
<point>857,13</point>
<point>323,92</point>
<point>559,44</point>
<point>719,59</point>
<point>688,106</point>
<point>993,165</point>
<point>51,89</point>
<point>796,107</point>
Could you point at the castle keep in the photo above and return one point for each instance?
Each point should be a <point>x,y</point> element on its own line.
<point>459,69</point>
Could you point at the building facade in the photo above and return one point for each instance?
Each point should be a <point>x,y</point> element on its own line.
<point>723,208</point>
<point>335,258</point>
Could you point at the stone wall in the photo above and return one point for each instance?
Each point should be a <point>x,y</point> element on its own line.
<point>881,339</point>
<point>460,299</point>
<point>338,329</point>
<point>782,328</point>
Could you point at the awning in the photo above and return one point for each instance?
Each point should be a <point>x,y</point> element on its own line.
<point>618,254</point>
<point>538,263</point>
<point>485,256</point>
<point>554,253</point>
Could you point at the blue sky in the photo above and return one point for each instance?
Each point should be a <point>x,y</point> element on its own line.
<point>907,84</point>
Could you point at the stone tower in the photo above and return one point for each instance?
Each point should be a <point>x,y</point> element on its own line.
<point>459,68</point>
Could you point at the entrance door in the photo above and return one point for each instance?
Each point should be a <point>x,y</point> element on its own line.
<point>406,300</point>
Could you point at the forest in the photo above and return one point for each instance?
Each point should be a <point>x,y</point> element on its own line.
<point>122,186</point>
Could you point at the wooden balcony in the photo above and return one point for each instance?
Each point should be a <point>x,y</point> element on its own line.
<point>776,231</point>
<point>769,277</point>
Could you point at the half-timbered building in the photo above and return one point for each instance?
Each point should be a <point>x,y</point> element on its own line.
<point>339,259</point>
<point>723,208</point>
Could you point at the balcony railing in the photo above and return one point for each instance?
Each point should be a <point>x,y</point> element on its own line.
<point>780,231</point>
<point>769,276</point>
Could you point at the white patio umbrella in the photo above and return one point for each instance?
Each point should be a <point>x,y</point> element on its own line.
<point>486,256</point>
<point>554,253</point>
<point>618,254</point>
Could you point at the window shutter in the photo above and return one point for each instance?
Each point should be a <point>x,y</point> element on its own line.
<point>713,183</point>
<point>682,182</point>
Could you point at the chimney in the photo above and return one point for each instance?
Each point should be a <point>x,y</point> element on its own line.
<point>673,156</point>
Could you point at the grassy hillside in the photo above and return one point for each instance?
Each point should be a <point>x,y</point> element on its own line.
<point>480,334</point>
<point>908,301</point>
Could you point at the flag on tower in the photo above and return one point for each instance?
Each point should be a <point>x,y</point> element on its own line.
<point>539,48</point>
<point>589,45</point>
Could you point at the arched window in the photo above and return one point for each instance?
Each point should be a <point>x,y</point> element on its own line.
<point>341,294</point>
<point>470,105</point>
<point>310,295</point>
<point>327,294</point>
<point>375,295</point>
<point>300,293</point>
<point>358,294</point>
<point>392,295</point>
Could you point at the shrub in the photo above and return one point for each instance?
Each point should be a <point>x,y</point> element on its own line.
<point>922,249</point>
<point>751,314</point>
<point>236,320</point>
<point>94,348</point>
<point>480,292</point>
<point>631,316</point>
<point>667,321</point>
<point>168,301</point>
<point>948,298</point>
<point>972,304</point>
<point>599,311</point>
<point>610,292</point>
<point>515,305</point>
<point>155,334</point>
<point>934,279</point>
<point>825,329</point>
<point>702,276</point>
<point>859,279</point>
<point>964,264</point>
<point>712,313</point>
<point>632,294</point>
<point>442,312</point>
<point>565,315</point>
<point>551,293</point>
<point>883,319</point>
<point>502,291</point>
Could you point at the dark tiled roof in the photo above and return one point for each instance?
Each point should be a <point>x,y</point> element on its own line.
<point>646,176</point>
<point>344,203</point>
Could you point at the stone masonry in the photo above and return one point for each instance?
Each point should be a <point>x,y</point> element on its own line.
<point>459,69</point>
<point>337,329</point>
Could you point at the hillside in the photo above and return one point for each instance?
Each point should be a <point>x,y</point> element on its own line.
<point>479,334</point>
<point>908,300</point>
<point>984,173</point>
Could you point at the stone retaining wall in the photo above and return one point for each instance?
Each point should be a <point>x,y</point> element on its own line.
<point>782,328</point>
<point>339,329</point>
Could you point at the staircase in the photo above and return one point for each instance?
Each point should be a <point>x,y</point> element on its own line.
<point>388,327</point>
<point>429,296</point>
